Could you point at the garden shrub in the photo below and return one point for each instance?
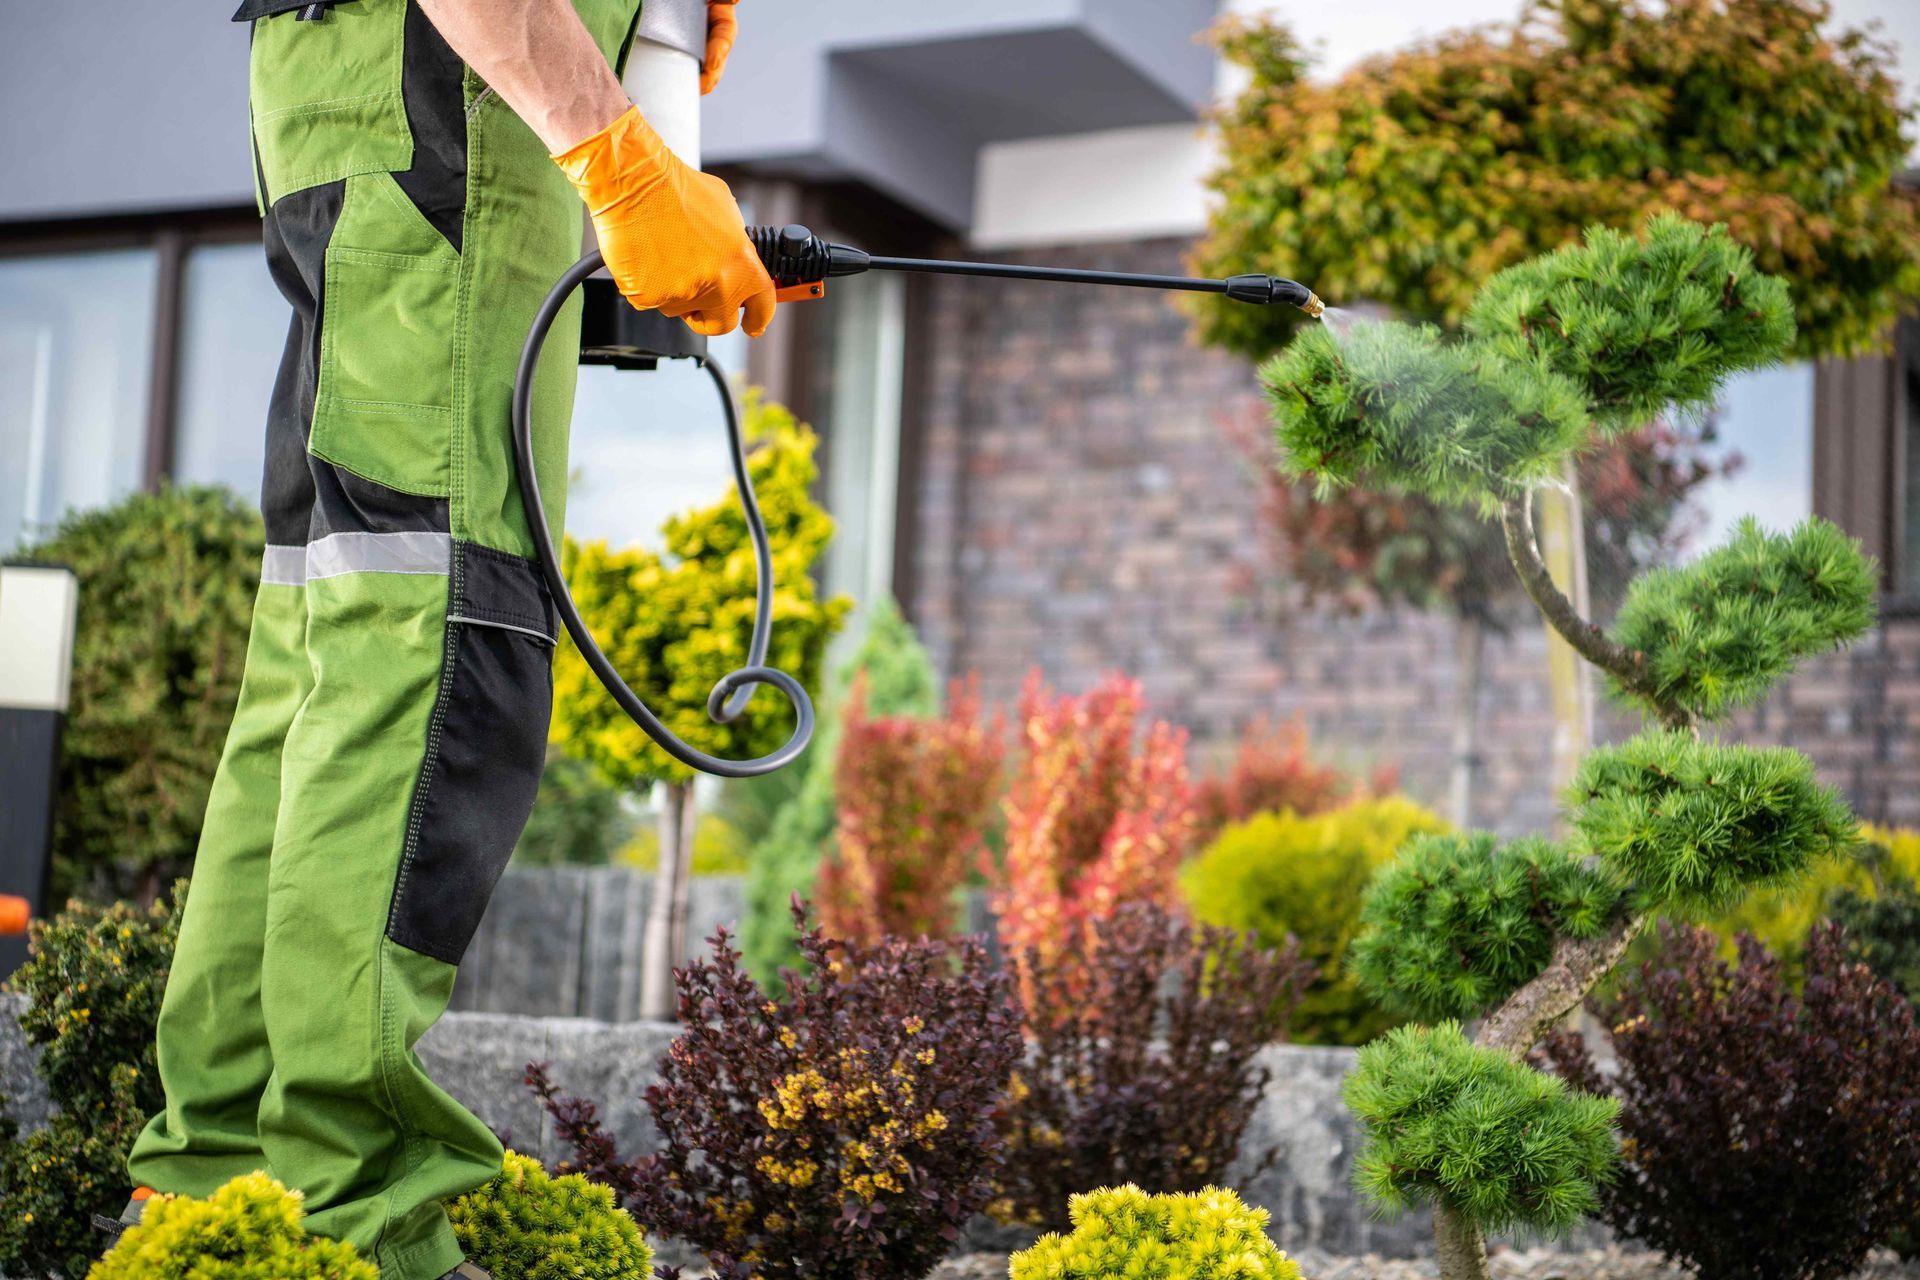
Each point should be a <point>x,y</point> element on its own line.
<point>1141,1064</point>
<point>718,849</point>
<point>166,600</point>
<point>1122,1233</point>
<point>1285,876</point>
<point>527,1225</point>
<point>1413,177</point>
<point>914,798</point>
<point>1272,771</point>
<point>1092,823</point>
<point>1695,824</point>
<point>844,1128</point>
<point>1769,1135</point>
<point>899,682</point>
<point>1446,1119</point>
<point>249,1229</point>
<point>94,980</point>
<point>1454,954</point>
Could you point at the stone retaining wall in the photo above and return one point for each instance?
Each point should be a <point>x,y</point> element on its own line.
<point>479,1058</point>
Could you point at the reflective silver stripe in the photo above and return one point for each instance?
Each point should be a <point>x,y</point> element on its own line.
<point>284,567</point>
<point>499,626</point>
<point>343,553</point>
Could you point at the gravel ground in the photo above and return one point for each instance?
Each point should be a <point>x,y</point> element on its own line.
<point>1508,1264</point>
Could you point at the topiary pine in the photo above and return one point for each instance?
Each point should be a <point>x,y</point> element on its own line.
<point>256,1223</point>
<point>1122,1233</point>
<point>1472,1130</point>
<point>1695,824</point>
<point>1643,327</point>
<point>1398,406</point>
<point>1457,924</point>
<point>527,1225</point>
<point>1716,634</point>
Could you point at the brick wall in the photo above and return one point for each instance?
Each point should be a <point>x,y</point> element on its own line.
<point>1082,507</point>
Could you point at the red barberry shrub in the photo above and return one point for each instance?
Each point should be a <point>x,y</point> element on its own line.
<point>1141,1061</point>
<point>913,798</point>
<point>1766,1135</point>
<point>1273,771</point>
<point>845,1129</point>
<point>1092,823</point>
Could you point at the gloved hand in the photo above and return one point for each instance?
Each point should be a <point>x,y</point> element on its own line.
<point>672,236</point>
<point>721,26</point>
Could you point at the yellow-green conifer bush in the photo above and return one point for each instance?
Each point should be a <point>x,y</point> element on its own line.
<point>1282,875</point>
<point>1560,353</point>
<point>529,1225</point>
<point>249,1229</point>
<point>1122,1233</point>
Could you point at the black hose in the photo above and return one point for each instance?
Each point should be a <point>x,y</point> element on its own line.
<point>730,696</point>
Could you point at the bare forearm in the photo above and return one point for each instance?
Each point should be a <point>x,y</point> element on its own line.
<point>537,56</point>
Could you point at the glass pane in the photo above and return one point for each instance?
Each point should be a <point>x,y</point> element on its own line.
<point>1765,419</point>
<point>862,429</point>
<point>76,348</point>
<point>647,445</point>
<point>233,324</point>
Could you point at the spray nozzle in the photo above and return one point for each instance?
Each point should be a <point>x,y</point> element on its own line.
<point>1266,290</point>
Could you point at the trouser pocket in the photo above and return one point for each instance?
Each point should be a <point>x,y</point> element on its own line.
<point>326,97</point>
<point>384,404</point>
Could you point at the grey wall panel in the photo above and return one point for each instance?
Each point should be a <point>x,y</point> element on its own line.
<point>117,106</point>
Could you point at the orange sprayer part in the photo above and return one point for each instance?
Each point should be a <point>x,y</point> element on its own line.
<point>806,292</point>
<point>14,914</point>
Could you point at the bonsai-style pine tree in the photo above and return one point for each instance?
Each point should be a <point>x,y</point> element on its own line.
<point>1561,353</point>
<point>673,624</point>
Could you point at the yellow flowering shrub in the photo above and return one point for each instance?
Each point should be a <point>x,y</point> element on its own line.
<point>1122,1233</point>
<point>257,1224</point>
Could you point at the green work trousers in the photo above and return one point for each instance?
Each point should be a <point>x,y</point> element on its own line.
<point>392,720</point>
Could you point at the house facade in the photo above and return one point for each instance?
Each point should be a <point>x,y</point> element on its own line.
<point>1045,477</point>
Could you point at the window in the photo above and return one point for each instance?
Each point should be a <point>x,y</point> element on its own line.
<point>233,326</point>
<point>1907,369</point>
<point>76,346</point>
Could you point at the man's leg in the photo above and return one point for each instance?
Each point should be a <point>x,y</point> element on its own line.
<point>212,1037</point>
<point>413,761</point>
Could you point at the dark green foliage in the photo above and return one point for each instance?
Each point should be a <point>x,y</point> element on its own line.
<point>94,979</point>
<point>1399,406</point>
<point>1717,633</point>
<point>1457,923</point>
<point>1446,1120</point>
<point>249,1229</point>
<point>1413,177</point>
<point>1884,934</point>
<point>1643,326</point>
<point>1694,825</point>
<point>578,819</point>
<point>1769,1135</point>
<point>166,598</point>
<point>52,1182</point>
<point>1142,1060</point>
<point>900,682</point>
<point>526,1225</point>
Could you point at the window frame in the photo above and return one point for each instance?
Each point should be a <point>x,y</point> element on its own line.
<point>171,237</point>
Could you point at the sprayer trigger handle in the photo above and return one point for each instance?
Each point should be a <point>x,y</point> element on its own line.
<point>808,291</point>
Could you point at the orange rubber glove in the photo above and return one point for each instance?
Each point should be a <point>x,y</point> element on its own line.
<point>672,236</point>
<point>721,28</point>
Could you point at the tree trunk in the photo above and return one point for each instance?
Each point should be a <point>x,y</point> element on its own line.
<point>1576,967</point>
<point>1470,646</point>
<point>1563,545</point>
<point>665,938</point>
<point>1463,1250</point>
